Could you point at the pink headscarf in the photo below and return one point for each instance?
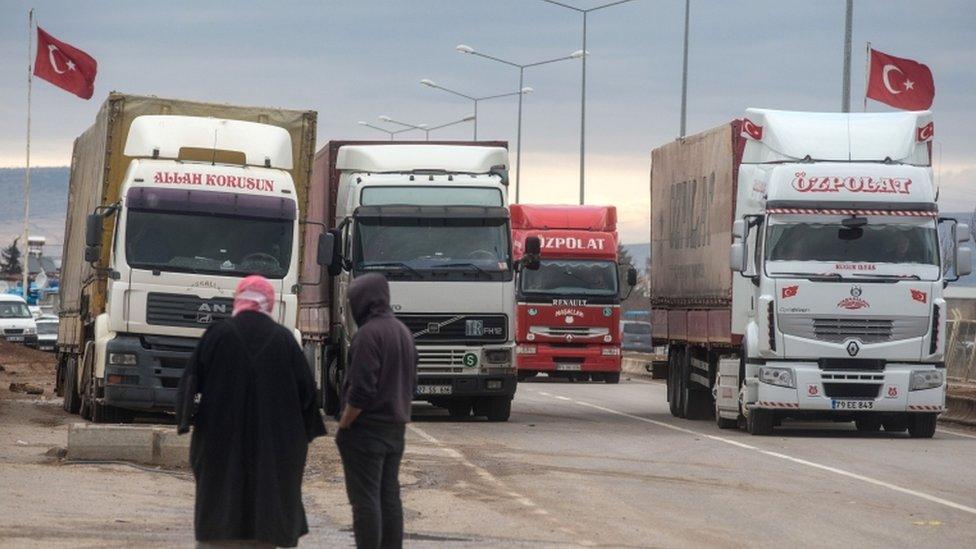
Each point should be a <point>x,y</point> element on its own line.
<point>254,293</point>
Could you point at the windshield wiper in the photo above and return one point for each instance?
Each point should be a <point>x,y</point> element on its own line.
<point>892,277</point>
<point>814,276</point>
<point>386,264</point>
<point>471,265</point>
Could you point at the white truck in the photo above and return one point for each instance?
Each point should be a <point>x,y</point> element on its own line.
<point>835,310</point>
<point>170,204</point>
<point>432,219</point>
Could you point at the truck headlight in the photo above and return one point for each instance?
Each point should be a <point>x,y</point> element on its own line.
<point>611,351</point>
<point>926,379</point>
<point>30,331</point>
<point>525,350</point>
<point>498,356</point>
<point>781,377</point>
<point>122,359</point>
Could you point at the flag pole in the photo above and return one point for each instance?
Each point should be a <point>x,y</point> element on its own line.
<point>25,267</point>
<point>867,75</point>
<point>845,100</point>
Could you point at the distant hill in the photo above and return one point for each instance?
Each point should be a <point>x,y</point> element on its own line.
<point>48,203</point>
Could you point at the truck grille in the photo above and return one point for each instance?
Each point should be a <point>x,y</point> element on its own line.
<point>563,331</point>
<point>446,360</point>
<point>851,390</point>
<point>456,328</point>
<point>13,331</point>
<point>186,310</point>
<point>865,329</point>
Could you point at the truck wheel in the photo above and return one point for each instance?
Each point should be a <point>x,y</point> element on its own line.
<point>330,393</point>
<point>674,381</point>
<point>922,425</point>
<point>459,408</point>
<point>868,425</point>
<point>499,408</point>
<point>760,422</point>
<point>611,377</point>
<point>70,387</point>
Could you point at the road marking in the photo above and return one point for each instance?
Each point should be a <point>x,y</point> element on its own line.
<point>811,464</point>
<point>486,475</point>
<point>956,433</point>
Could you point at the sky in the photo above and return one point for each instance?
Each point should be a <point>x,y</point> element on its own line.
<point>354,60</point>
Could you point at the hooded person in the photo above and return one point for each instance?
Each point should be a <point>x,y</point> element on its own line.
<point>379,385</point>
<point>250,395</point>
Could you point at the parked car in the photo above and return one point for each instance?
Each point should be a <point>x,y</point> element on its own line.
<point>47,333</point>
<point>635,335</point>
<point>16,321</point>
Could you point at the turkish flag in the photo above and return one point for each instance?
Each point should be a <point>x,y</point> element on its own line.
<point>64,65</point>
<point>900,83</point>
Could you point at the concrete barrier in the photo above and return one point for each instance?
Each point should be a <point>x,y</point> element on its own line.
<point>960,409</point>
<point>149,444</point>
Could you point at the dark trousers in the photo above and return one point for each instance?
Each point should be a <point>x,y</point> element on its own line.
<point>371,454</point>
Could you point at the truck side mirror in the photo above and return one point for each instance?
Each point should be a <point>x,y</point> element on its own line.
<point>739,256</point>
<point>739,228</point>
<point>531,259</point>
<point>964,260</point>
<point>961,231</point>
<point>631,276</point>
<point>93,237</point>
<point>325,255</point>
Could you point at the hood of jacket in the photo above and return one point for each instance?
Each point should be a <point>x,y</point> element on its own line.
<point>369,296</point>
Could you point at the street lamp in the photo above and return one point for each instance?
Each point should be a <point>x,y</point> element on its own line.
<point>463,48</point>
<point>431,84</point>
<point>384,130</point>
<point>585,12</point>
<point>424,127</point>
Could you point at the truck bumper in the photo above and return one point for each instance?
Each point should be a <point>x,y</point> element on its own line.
<point>446,386</point>
<point>843,392</point>
<point>150,384</point>
<point>548,358</point>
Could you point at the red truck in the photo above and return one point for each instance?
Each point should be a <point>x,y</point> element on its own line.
<point>568,310</point>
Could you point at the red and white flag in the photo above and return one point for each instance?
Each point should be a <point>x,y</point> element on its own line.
<point>900,83</point>
<point>64,65</point>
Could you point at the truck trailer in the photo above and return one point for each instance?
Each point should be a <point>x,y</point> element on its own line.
<point>431,218</point>
<point>798,271</point>
<point>170,204</point>
<point>568,320</point>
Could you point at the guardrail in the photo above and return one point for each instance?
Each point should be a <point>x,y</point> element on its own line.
<point>960,350</point>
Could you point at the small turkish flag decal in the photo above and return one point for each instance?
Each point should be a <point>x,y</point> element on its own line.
<point>920,296</point>
<point>750,129</point>
<point>790,291</point>
<point>925,133</point>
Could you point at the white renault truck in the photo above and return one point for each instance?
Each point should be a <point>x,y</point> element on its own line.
<point>432,219</point>
<point>833,307</point>
<point>170,204</point>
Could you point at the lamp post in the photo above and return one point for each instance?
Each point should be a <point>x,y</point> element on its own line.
<point>391,133</point>
<point>585,12</point>
<point>462,48</point>
<point>431,84</point>
<point>424,127</point>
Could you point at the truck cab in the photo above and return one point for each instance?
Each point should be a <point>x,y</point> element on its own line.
<point>837,241</point>
<point>568,322</point>
<point>182,234</point>
<point>432,220</point>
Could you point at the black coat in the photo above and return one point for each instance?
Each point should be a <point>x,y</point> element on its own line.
<point>256,415</point>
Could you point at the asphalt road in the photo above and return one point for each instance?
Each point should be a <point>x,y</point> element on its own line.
<point>595,464</point>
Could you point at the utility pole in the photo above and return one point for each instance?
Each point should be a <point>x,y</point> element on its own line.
<point>848,24</point>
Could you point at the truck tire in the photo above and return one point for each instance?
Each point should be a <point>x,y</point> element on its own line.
<point>760,422</point>
<point>922,425</point>
<point>499,408</point>
<point>70,387</point>
<point>694,400</point>
<point>611,377</point>
<point>459,408</point>
<point>868,425</point>
<point>330,393</point>
<point>674,380</point>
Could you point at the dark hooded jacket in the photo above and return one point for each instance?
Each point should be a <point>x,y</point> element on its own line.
<point>256,416</point>
<point>382,373</point>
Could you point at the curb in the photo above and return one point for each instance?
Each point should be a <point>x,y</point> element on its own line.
<point>148,444</point>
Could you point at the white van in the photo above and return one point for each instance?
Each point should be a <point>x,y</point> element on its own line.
<point>16,321</point>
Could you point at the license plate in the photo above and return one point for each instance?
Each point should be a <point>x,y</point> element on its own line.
<point>434,389</point>
<point>568,367</point>
<point>853,404</point>
<point>15,339</point>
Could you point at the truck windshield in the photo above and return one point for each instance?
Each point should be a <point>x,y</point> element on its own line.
<point>871,243</point>
<point>13,309</point>
<point>437,249</point>
<point>208,244</point>
<point>566,277</point>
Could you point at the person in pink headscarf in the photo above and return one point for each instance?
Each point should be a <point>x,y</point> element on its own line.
<point>257,413</point>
